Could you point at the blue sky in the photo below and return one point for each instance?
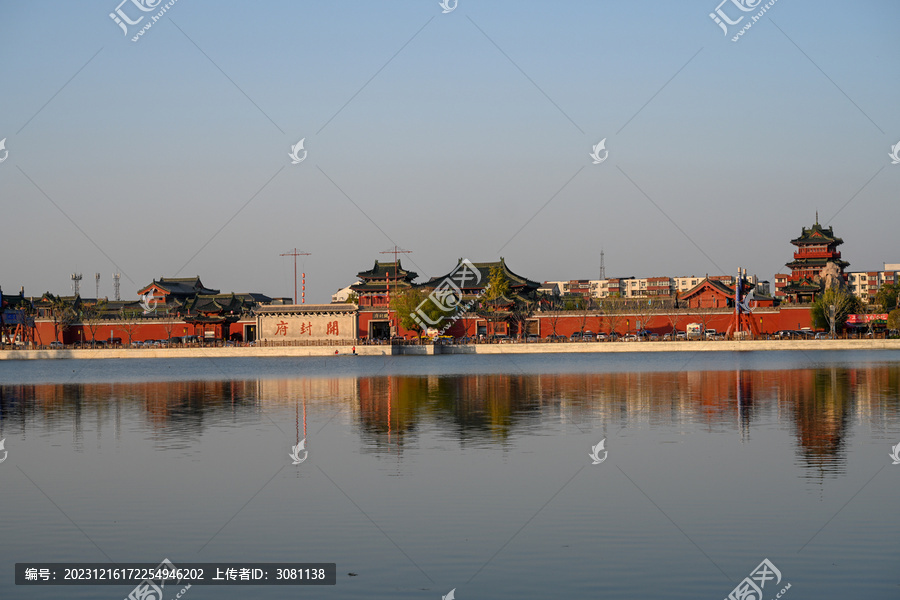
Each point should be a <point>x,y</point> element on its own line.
<point>443,133</point>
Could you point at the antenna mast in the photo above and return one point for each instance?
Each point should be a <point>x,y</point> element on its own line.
<point>395,251</point>
<point>295,253</point>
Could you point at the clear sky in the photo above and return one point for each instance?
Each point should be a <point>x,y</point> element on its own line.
<point>465,134</point>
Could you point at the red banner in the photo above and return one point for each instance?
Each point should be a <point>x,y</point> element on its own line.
<point>856,319</point>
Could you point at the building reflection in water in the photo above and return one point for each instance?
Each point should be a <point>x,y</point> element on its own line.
<point>819,404</point>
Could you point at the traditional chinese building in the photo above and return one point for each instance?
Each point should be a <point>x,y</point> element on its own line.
<point>816,250</point>
<point>174,292</point>
<point>713,292</point>
<point>376,283</point>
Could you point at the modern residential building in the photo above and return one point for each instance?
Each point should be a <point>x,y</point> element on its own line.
<point>865,284</point>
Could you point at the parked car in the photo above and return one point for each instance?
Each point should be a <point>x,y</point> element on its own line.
<point>629,338</point>
<point>556,338</point>
<point>587,336</point>
<point>711,334</point>
<point>602,337</point>
<point>576,337</point>
<point>822,335</point>
<point>532,338</point>
<point>654,337</point>
<point>56,345</point>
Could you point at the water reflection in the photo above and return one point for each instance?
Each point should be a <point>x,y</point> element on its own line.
<point>819,405</point>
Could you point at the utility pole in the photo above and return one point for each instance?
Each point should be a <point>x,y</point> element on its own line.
<point>295,253</point>
<point>116,278</point>
<point>76,282</point>
<point>97,282</point>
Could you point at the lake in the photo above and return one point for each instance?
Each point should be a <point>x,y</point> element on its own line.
<point>468,473</point>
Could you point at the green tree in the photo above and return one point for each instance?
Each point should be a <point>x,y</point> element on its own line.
<point>893,320</point>
<point>844,304</point>
<point>888,296</point>
<point>491,306</point>
<point>407,302</point>
<point>498,285</point>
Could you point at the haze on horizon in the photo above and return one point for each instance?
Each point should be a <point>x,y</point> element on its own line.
<point>464,134</point>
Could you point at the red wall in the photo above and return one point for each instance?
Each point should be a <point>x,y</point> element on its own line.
<point>44,332</point>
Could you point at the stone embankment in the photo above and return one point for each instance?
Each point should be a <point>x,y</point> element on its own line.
<point>533,348</point>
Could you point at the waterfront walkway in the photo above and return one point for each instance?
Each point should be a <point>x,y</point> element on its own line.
<point>429,349</point>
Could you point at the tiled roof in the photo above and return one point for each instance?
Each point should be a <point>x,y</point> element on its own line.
<point>383,270</point>
<point>180,286</point>
<point>515,281</point>
<point>817,235</point>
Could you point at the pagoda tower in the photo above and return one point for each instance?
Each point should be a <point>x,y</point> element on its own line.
<point>816,248</point>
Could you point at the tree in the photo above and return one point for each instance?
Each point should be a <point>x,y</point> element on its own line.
<point>893,320</point>
<point>673,317</point>
<point>888,296</point>
<point>352,298</point>
<point>130,322</point>
<point>92,316</point>
<point>62,313</point>
<point>554,317</point>
<point>844,304</point>
<point>614,309</point>
<point>406,304</point>
<point>644,309</point>
<point>170,324</point>
<point>491,305</point>
<point>520,313</point>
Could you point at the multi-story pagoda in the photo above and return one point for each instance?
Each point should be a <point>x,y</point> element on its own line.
<point>816,249</point>
<point>374,290</point>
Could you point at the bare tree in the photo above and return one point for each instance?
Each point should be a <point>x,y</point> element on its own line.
<point>130,322</point>
<point>673,317</point>
<point>91,316</point>
<point>614,309</point>
<point>520,313</point>
<point>169,325</point>
<point>61,313</point>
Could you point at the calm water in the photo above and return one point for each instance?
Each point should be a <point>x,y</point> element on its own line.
<point>469,472</point>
